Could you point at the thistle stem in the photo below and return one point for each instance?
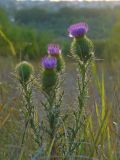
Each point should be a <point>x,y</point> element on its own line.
<point>27,93</point>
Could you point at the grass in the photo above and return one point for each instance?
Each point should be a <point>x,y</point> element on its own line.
<point>102,127</point>
<point>9,42</point>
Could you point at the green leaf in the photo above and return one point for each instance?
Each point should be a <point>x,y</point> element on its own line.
<point>50,149</point>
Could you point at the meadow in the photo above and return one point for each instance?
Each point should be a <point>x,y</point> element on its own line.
<point>77,118</point>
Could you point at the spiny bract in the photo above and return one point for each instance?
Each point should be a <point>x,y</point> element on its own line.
<point>83,48</point>
<point>24,71</point>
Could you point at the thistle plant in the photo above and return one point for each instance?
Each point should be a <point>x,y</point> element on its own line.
<point>82,50</point>
<point>52,103</point>
<point>55,51</point>
<point>49,77</point>
<point>81,47</point>
<point>24,73</point>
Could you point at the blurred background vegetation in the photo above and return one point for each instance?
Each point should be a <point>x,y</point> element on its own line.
<point>31,29</point>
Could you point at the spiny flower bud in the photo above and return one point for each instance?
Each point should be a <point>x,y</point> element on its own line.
<point>24,71</point>
<point>55,51</point>
<point>49,76</point>
<point>81,46</point>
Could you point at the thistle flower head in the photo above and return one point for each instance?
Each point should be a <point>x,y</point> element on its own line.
<point>54,49</point>
<point>49,62</point>
<point>24,70</point>
<point>78,29</point>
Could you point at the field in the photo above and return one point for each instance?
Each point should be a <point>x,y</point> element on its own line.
<point>79,117</point>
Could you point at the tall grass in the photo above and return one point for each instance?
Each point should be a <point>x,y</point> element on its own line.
<point>101,129</point>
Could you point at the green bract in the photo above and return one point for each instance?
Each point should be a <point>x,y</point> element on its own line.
<point>83,48</point>
<point>49,79</point>
<point>60,62</point>
<point>24,71</point>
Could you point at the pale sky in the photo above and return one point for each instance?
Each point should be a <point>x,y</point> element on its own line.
<point>70,0</point>
<point>82,0</point>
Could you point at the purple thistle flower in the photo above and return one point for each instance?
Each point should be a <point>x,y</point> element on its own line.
<point>54,49</point>
<point>49,62</point>
<point>78,29</point>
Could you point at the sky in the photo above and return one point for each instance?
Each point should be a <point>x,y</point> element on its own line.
<point>70,0</point>
<point>82,0</point>
<point>74,0</point>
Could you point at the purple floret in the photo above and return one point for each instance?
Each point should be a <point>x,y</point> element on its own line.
<point>78,29</point>
<point>49,62</point>
<point>54,49</point>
